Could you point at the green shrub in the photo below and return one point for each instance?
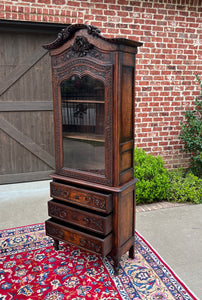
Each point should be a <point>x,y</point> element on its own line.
<point>153,181</point>
<point>191,134</point>
<point>184,187</point>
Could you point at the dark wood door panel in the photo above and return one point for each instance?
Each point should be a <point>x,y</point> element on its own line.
<point>27,143</point>
<point>36,125</point>
<point>16,158</point>
<point>30,83</point>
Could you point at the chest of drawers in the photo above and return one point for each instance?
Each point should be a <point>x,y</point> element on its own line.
<point>100,220</point>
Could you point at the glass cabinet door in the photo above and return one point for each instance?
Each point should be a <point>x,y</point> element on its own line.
<point>83,124</point>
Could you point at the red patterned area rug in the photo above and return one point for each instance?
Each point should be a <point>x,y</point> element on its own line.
<point>30,268</point>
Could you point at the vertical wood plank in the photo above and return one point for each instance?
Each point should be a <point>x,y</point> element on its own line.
<point>27,142</point>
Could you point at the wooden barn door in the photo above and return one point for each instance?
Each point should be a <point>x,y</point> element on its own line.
<point>26,119</point>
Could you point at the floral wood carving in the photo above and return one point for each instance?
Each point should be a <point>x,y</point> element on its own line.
<point>82,198</point>
<point>69,54</point>
<point>57,211</point>
<point>95,223</point>
<point>81,46</point>
<point>94,246</point>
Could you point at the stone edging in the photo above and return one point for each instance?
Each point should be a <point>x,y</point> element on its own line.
<point>159,205</point>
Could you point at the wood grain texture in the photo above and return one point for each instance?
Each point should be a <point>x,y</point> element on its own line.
<point>20,71</point>
<point>25,105</point>
<point>26,142</point>
<point>25,177</point>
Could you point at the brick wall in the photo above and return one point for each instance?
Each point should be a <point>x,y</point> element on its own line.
<point>171,31</point>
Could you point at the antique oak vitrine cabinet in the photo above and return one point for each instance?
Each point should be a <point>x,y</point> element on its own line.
<point>93,188</point>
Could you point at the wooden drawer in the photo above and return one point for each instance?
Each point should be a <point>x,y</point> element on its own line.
<point>96,223</point>
<point>93,200</point>
<point>59,231</point>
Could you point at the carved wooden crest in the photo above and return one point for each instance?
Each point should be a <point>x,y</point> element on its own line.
<point>81,46</point>
<point>68,33</point>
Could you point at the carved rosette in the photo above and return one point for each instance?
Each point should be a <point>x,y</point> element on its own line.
<point>100,203</point>
<point>57,212</point>
<point>93,223</point>
<point>55,191</point>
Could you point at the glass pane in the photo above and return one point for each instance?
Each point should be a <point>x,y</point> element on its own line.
<point>83,116</point>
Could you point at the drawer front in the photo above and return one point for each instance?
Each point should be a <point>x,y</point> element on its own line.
<point>93,200</point>
<point>59,231</point>
<point>96,223</point>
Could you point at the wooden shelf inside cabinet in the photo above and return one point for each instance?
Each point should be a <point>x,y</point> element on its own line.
<point>93,188</point>
<point>89,137</point>
<point>83,101</point>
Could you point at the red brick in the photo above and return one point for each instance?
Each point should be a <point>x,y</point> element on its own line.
<point>122,14</point>
<point>112,30</point>
<point>114,7</point>
<point>109,12</point>
<point>96,12</point>
<point>110,1</point>
<point>89,17</point>
<point>71,3</point>
<point>126,20</point>
<point>32,1</point>
<point>123,2</point>
<point>101,18</point>
<point>44,1</point>
<point>33,18</point>
<point>124,31</point>
<point>101,5</point>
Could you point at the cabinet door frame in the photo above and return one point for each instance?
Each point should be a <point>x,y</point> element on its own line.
<point>103,72</point>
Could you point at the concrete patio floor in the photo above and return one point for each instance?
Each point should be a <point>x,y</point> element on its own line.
<point>174,232</point>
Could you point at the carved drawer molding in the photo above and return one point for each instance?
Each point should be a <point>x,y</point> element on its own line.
<point>93,200</point>
<point>96,223</point>
<point>59,231</point>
